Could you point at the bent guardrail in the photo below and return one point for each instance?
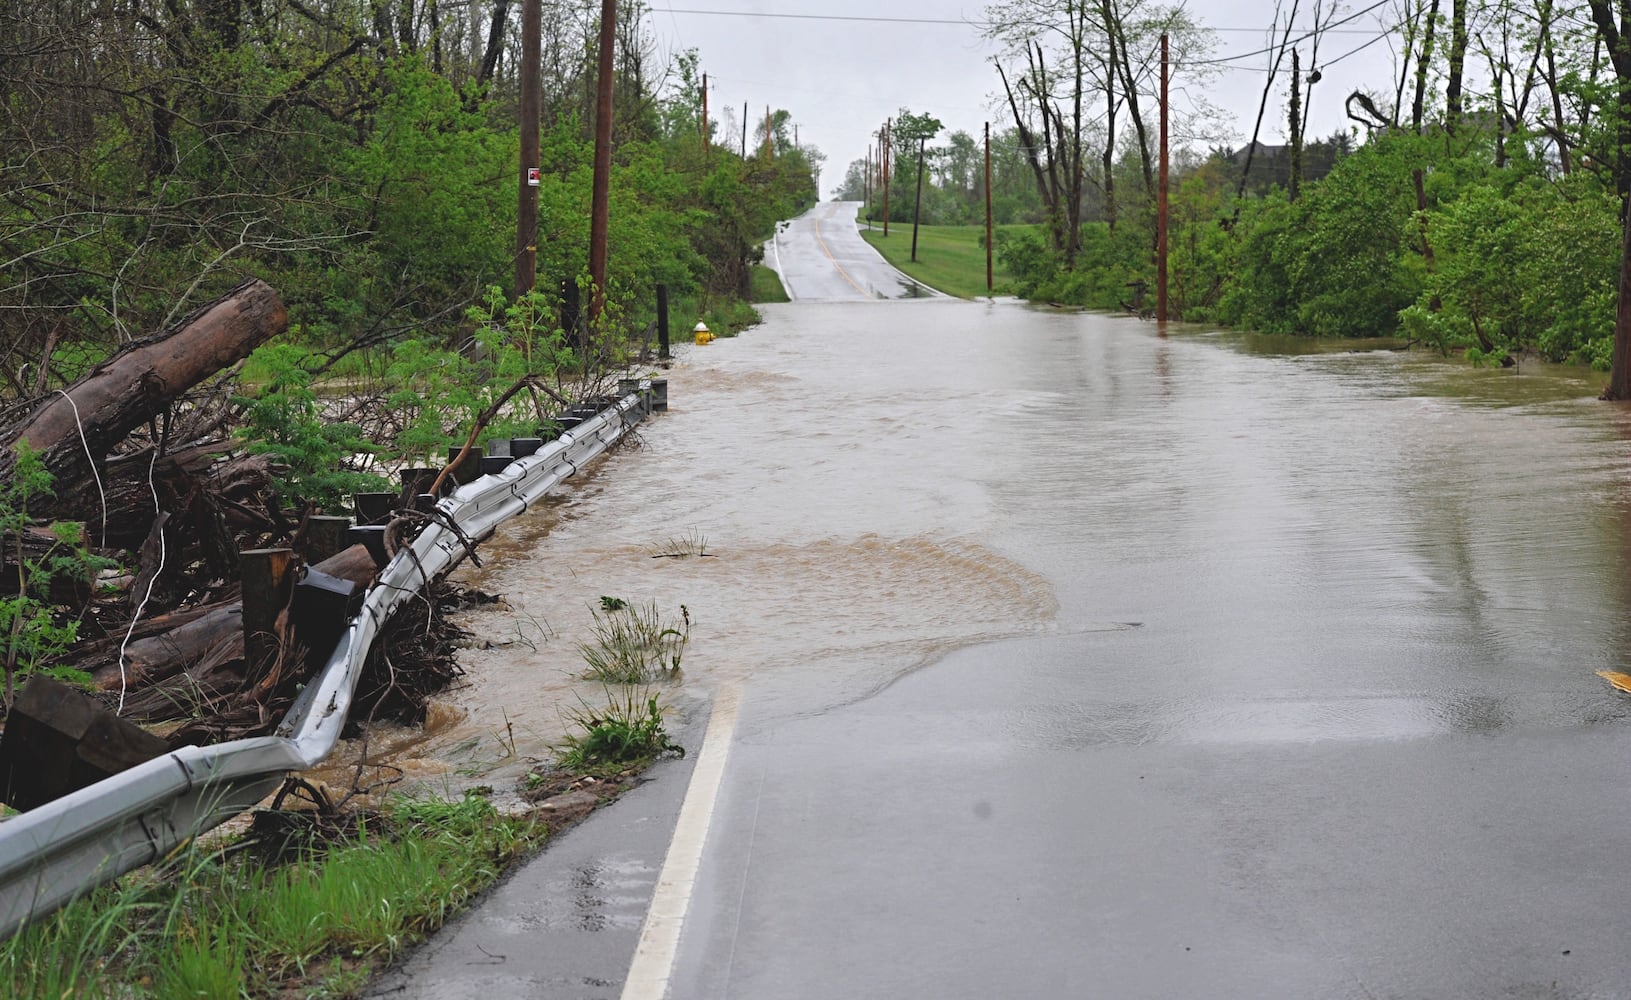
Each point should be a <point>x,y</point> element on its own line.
<point>60,850</point>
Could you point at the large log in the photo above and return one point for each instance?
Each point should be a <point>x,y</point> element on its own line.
<point>76,426</point>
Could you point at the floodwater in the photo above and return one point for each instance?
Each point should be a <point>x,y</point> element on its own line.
<point>1337,544</point>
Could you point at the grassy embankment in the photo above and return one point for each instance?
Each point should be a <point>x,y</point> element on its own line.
<point>767,287</point>
<point>949,258</point>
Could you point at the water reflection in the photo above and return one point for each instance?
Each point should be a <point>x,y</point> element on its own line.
<point>1322,544</point>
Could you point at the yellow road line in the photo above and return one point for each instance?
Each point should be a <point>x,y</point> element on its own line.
<point>817,224</point>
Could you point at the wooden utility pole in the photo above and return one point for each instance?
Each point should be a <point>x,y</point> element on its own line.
<point>526,229</point>
<point>990,274</point>
<point>704,114</point>
<point>600,206</point>
<point>744,130</point>
<point>917,204</point>
<point>1161,195</point>
<point>886,184</point>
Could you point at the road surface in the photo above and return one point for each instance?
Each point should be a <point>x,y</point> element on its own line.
<point>821,257</point>
<point>1309,708</point>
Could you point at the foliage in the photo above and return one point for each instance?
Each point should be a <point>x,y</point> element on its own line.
<point>286,420</point>
<point>632,643</point>
<point>34,631</point>
<point>628,730</point>
<point>225,925</point>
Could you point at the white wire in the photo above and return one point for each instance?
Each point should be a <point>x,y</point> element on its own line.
<point>92,460</point>
<point>152,581</point>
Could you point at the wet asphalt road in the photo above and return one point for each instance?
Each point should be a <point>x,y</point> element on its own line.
<point>821,257</point>
<point>1317,720</point>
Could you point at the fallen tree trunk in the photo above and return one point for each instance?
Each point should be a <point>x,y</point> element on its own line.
<point>74,429</point>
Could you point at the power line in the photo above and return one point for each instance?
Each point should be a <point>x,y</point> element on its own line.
<point>1305,36</point>
<point>958,22</point>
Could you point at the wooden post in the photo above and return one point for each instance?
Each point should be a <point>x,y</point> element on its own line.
<point>1161,196</point>
<point>886,184</point>
<point>526,230</point>
<point>268,582</point>
<point>990,283</point>
<point>600,203</point>
<point>662,323</point>
<point>325,537</point>
<point>917,204</point>
<point>571,313</point>
<point>58,741</point>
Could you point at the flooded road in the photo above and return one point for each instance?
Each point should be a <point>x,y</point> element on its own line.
<point>1333,545</point>
<point>1075,659</point>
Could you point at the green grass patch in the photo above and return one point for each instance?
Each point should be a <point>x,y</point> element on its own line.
<point>634,643</point>
<point>767,285</point>
<point>226,923</point>
<point>628,731</point>
<point>949,258</point>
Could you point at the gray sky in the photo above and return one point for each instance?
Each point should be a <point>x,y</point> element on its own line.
<point>842,78</point>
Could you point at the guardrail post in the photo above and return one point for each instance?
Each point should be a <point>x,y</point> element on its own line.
<point>373,508</point>
<point>324,537</point>
<point>268,582</point>
<point>58,741</point>
<point>467,471</point>
<point>659,395</point>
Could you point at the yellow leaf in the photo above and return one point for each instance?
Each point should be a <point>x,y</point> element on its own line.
<point>1619,680</point>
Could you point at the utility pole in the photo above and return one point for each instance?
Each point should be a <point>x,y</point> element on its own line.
<point>600,207</point>
<point>744,130</point>
<point>526,229</point>
<point>1161,195</point>
<point>886,184</point>
<point>990,274</point>
<point>705,116</point>
<point>917,205</point>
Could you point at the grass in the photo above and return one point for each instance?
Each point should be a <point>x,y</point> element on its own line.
<point>950,258</point>
<point>632,643</point>
<point>224,923</point>
<point>767,285</point>
<point>692,543</point>
<point>628,731</point>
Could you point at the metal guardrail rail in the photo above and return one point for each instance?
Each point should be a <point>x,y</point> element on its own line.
<point>60,850</point>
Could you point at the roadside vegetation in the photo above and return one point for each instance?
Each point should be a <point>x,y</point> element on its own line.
<point>315,901</point>
<point>364,165</point>
<point>278,912</point>
<point>1473,219</point>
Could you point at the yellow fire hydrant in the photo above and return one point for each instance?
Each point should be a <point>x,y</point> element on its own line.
<point>702,334</point>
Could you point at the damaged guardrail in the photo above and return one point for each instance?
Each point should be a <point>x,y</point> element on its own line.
<point>60,850</point>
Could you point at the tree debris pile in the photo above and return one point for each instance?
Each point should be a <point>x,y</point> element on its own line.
<point>127,514</point>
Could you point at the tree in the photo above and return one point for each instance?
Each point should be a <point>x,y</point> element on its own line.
<point>1613,21</point>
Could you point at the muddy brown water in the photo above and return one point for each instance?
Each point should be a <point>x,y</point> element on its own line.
<point>1358,540</point>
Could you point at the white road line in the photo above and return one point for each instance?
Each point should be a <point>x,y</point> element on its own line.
<point>660,936</point>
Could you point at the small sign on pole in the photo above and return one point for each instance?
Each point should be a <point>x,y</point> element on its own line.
<point>532,177</point>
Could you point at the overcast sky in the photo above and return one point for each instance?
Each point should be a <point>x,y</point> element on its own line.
<point>841,67</point>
